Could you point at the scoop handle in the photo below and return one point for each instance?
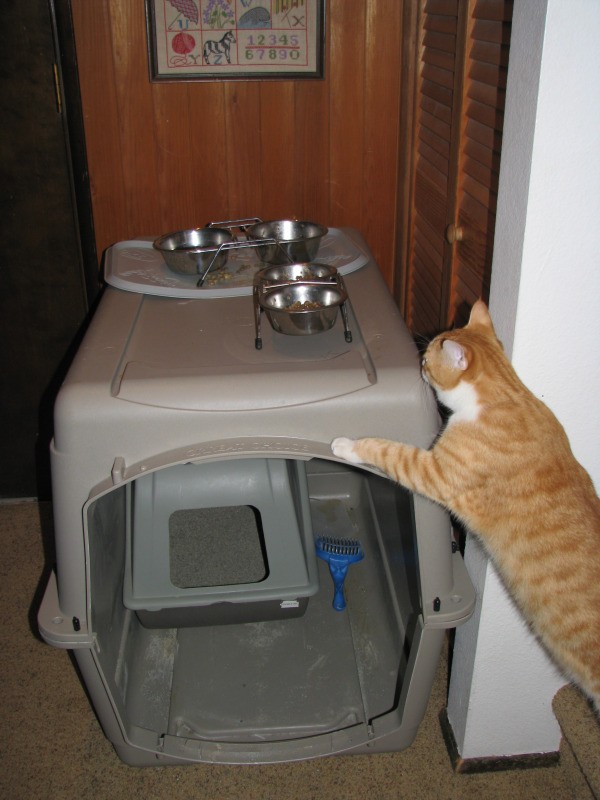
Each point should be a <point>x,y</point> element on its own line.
<point>338,571</point>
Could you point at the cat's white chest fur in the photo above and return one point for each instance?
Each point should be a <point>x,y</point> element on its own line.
<point>462,401</point>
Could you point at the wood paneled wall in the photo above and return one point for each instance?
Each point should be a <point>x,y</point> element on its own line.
<point>168,156</point>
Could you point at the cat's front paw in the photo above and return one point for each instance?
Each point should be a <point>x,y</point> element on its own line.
<point>344,448</point>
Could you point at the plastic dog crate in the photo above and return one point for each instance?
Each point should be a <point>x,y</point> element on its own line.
<point>168,429</point>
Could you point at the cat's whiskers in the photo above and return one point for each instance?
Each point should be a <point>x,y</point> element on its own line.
<point>422,343</point>
<point>427,394</point>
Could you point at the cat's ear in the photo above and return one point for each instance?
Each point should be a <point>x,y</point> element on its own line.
<point>456,354</point>
<point>480,316</point>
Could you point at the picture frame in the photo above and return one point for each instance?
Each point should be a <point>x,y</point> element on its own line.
<point>192,40</point>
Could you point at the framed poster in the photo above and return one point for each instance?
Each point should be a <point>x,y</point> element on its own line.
<point>235,39</point>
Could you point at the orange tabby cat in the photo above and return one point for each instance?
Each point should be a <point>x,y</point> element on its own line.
<point>504,467</point>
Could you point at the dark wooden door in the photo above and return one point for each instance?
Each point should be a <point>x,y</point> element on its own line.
<point>42,287</point>
<point>453,121</point>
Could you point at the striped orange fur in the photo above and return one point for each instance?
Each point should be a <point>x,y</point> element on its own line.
<point>503,465</point>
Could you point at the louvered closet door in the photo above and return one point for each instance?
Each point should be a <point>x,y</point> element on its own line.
<point>458,105</point>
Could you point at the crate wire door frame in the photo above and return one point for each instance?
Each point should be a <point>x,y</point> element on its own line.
<point>235,39</point>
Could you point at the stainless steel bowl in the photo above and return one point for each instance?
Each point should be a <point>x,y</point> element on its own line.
<point>296,241</point>
<point>296,272</point>
<point>302,310</point>
<point>190,252</point>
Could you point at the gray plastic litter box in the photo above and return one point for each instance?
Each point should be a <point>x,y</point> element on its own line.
<point>192,473</point>
<point>222,519</point>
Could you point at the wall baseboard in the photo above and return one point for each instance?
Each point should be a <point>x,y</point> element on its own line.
<point>493,763</point>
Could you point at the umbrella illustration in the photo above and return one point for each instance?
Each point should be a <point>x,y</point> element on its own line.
<point>188,8</point>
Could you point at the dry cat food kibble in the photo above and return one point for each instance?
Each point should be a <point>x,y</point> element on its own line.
<point>225,275</point>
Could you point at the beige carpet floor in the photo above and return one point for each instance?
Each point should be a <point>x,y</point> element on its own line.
<point>51,745</point>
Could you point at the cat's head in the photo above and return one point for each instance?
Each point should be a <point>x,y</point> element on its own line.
<point>464,354</point>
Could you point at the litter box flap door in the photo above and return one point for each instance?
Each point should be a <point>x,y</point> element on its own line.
<point>215,546</point>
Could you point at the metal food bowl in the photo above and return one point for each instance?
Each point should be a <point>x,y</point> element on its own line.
<point>302,310</point>
<point>296,272</point>
<point>294,241</point>
<point>193,251</point>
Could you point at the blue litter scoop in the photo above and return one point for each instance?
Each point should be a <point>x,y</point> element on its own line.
<point>339,554</point>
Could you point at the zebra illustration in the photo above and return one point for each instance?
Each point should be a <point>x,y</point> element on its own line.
<point>219,49</point>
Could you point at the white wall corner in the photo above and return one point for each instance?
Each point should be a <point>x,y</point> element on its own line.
<point>502,681</point>
<point>544,302</point>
